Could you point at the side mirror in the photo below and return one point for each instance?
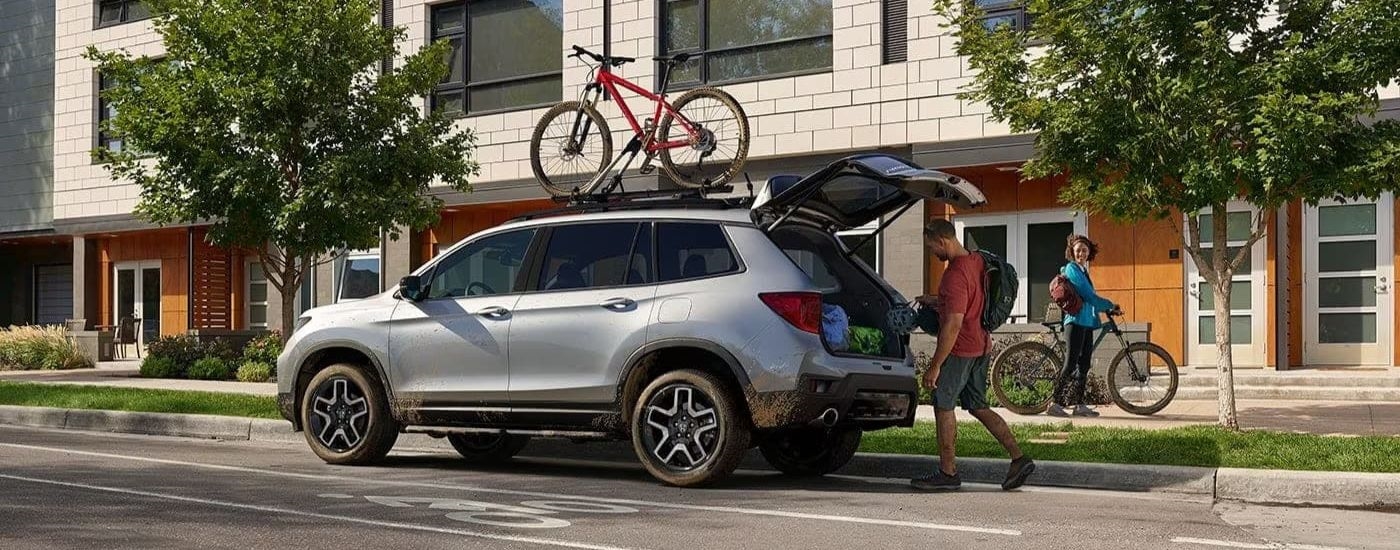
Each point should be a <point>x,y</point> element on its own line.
<point>411,287</point>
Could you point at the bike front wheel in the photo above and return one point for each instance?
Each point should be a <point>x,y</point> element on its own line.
<point>1142,379</point>
<point>717,132</point>
<point>1023,377</point>
<point>570,146</point>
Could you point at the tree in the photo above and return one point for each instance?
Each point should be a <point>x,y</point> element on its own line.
<point>267,119</point>
<point>1153,108</point>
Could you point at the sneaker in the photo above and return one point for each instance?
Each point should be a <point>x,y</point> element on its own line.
<point>1084,410</point>
<point>1056,410</point>
<point>1021,469</point>
<point>939,481</point>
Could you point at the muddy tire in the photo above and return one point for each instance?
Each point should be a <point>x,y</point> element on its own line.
<point>345,416</point>
<point>811,452</point>
<point>487,448</point>
<point>689,428</point>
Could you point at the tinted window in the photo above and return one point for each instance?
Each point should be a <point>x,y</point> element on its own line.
<point>485,267</point>
<point>360,278</point>
<point>692,250</point>
<point>588,256</point>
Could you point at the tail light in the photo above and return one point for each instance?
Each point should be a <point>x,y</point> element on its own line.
<point>802,309</point>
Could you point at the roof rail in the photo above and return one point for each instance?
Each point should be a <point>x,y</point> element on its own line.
<point>680,203</point>
<point>599,198</point>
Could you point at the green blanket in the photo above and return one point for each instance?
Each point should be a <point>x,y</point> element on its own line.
<point>867,341</point>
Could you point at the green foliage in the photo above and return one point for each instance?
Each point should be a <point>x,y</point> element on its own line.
<point>209,368</point>
<point>160,367</point>
<point>264,349</point>
<point>39,348</point>
<point>137,399</point>
<point>270,119</point>
<point>254,371</point>
<point>181,350</point>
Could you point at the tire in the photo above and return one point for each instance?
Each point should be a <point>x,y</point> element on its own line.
<point>1025,375</point>
<point>811,452</point>
<point>552,131</point>
<point>730,131</point>
<point>345,416</point>
<point>719,434</point>
<point>487,448</point>
<point>1121,376</point>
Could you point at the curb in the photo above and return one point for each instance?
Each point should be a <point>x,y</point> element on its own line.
<point>1345,489</point>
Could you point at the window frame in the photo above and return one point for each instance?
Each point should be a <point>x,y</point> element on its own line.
<point>343,269</point>
<point>248,302</point>
<point>1017,230</point>
<point>879,241</point>
<point>1015,8</point>
<point>702,53</point>
<point>465,86</point>
<point>122,19</point>
<point>102,138</point>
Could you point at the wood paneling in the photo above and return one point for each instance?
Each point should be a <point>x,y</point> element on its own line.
<point>1164,309</point>
<point>169,247</point>
<point>1153,265</point>
<point>461,222</point>
<point>1115,265</point>
<point>213,291</point>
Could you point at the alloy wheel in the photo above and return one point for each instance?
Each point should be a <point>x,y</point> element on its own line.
<point>340,414</point>
<point>682,427</point>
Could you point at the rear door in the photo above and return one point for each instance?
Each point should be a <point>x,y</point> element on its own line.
<point>591,298</point>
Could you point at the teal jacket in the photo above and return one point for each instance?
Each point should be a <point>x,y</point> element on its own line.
<point>1094,304</point>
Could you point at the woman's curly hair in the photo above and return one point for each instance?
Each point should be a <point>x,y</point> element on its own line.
<point>1073,239</point>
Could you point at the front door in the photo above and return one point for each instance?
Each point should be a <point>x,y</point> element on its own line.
<point>1248,295</point>
<point>137,295</point>
<point>1348,283</point>
<point>448,351</point>
<point>1034,242</point>
<point>588,313</point>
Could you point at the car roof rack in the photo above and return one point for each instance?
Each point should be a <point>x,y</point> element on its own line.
<point>697,198</point>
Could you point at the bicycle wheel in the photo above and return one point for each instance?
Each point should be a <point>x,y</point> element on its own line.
<point>1023,377</point>
<point>720,142</point>
<point>570,146</point>
<point>1142,379</point>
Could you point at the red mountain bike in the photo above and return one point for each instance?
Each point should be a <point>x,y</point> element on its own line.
<point>702,138</point>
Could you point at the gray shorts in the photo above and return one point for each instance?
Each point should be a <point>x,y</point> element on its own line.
<point>962,380</point>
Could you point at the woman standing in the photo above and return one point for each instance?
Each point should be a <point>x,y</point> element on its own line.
<point>1080,251</point>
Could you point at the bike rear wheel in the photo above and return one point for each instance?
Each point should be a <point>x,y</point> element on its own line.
<point>571,145</point>
<point>718,146</point>
<point>1142,379</point>
<point>1023,377</point>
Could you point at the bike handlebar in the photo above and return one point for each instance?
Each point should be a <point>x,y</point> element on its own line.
<point>615,61</point>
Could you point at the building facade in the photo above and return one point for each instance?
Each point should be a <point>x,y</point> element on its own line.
<point>819,79</point>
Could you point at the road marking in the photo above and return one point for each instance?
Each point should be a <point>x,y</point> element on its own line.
<point>290,512</point>
<point>619,501</point>
<point>993,487</point>
<point>1256,545</point>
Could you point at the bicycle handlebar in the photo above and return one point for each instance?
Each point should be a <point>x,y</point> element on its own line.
<point>616,61</point>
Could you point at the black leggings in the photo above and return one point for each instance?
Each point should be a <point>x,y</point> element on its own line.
<point>1077,362</point>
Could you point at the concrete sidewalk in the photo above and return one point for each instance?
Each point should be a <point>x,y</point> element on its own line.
<point>1320,417</point>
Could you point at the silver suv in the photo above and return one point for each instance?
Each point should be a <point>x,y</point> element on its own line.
<point>692,327</point>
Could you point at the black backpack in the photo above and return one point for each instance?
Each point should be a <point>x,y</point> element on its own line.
<point>1001,284</point>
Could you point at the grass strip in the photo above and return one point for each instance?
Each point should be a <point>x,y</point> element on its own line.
<point>69,396</point>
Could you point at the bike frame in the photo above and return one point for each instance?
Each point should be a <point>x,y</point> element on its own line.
<point>606,80</point>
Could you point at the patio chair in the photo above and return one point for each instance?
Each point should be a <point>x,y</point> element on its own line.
<point>127,330</point>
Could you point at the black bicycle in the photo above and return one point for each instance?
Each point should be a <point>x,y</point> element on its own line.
<point>1142,378</point>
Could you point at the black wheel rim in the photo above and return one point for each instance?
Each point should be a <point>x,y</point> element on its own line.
<point>1026,377</point>
<point>1142,379</point>
<point>339,414</point>
<point>681,428</point>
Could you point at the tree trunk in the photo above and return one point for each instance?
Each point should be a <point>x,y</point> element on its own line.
<point>289,310</point>
<point>1224,358</point>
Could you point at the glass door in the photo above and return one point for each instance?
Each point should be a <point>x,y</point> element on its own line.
<point>1248,295</point>
<point>137,295</point>
<point>1348,283</point>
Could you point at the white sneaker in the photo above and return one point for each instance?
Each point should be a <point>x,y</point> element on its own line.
<point>1084,410</point>
<point>1056,410</point>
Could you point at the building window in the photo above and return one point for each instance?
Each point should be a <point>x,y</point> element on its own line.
<point>257,295</point>
<point>1033,242</point>
<point>1012,13</point>
<point>359,275</point>
<point>528,73</point>
<point>869,252</point>
<point>736,40</point>
<point>105,112</point>
<point>116,12</point>
<point>894,24</point>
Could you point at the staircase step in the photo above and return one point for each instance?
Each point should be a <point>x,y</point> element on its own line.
<point>1203,380</point>
<point>1298,393</point>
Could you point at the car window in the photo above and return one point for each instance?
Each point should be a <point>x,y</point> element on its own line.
<point>691,251</point>
<point>482,268</point>
<point>590,255</point>
<point>816,268</point>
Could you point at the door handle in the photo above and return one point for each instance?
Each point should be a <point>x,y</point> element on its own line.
<point>618,303</point>
<point>494,312</point>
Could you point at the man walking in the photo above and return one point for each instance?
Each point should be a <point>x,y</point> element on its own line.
<point>958,373</point>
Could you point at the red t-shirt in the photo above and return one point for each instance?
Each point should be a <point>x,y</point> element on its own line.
<point>961,292</point>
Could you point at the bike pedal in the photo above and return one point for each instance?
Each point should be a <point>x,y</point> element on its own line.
<point>646,169</point>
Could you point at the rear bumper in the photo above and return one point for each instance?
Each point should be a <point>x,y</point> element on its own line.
<point>869,401</point>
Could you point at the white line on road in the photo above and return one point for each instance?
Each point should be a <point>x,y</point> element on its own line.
<point>628,502</point>
<point>1256,545</point>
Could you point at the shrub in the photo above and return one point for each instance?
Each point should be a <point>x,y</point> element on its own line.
<point>160,367</point>
<point>264,349</point>
<point>254,371</point>
<point>209,368</point>
<point>182,350</point>
<point>40,348</point>
<point>221,349</point>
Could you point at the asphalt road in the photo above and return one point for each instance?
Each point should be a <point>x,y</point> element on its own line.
<point>95,491</point>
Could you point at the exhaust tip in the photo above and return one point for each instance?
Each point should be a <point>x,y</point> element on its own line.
<point>829,417</point>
